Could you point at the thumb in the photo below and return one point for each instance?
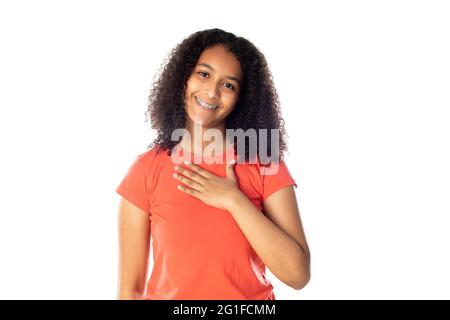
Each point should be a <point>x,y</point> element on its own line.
<point>230,170</point>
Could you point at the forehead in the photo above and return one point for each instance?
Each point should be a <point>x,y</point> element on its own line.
<point>222,61</point>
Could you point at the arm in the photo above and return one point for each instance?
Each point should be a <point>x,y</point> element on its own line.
<point>134,244</point>
<point>278,237</point>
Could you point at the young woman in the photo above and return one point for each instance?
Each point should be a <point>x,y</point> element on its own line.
<point>215,224</point>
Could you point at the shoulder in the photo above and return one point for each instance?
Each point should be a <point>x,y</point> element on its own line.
<point>151,157</point>
<point>263,178</point>
<point>254,171</point>
<point>262,169</point>
<point>148,166</point>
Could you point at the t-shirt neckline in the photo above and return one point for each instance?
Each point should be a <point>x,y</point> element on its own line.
<point>220,156</point>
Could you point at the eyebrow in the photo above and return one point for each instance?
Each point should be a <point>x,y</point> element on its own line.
<point>228,77</point>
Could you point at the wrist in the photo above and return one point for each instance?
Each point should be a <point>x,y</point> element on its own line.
<point>234,199</point>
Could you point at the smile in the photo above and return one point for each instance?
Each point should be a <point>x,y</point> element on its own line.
<point>205,106</point>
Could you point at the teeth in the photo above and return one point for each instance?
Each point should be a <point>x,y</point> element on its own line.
<point>206,105</point>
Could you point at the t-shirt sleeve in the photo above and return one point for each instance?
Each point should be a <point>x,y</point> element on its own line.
<point>276,177</point>
<point>134,186</point>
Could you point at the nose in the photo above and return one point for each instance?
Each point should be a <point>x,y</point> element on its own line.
<point>212,91</point>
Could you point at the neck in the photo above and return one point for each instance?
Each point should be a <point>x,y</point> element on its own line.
<point>201,141</point>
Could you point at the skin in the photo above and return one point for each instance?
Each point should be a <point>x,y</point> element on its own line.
<point>216,79</point>
<point>276,236</point>
<point>134,248</point>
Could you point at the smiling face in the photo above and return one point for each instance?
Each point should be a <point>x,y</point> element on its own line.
<point>213,88</point>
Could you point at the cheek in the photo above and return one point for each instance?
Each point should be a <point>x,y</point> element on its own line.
<point>230,100</point>
<point>192,85</point>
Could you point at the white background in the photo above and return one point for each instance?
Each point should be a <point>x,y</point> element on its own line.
<point>364,88</point>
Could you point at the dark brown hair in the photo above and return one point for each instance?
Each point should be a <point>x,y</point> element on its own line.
<point>257,106</point>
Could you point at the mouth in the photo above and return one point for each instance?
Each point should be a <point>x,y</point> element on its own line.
<point>205,106</point>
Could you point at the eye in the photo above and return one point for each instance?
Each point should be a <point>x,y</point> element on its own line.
<point>229,86</point>
<point>203,74</point>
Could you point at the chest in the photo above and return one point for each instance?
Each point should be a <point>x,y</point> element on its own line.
<point>184,222</point>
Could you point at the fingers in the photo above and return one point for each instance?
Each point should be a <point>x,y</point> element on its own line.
<point>190,174</point>
<point>187,181</point>
<point>197,169</point>
<point>189,191</point>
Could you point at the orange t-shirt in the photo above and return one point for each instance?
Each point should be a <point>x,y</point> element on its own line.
<point>199,251</point>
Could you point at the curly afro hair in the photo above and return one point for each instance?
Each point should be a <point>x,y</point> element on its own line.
<point>257,106</point>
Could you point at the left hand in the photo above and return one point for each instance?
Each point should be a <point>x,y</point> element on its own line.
<point>211,189</point>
